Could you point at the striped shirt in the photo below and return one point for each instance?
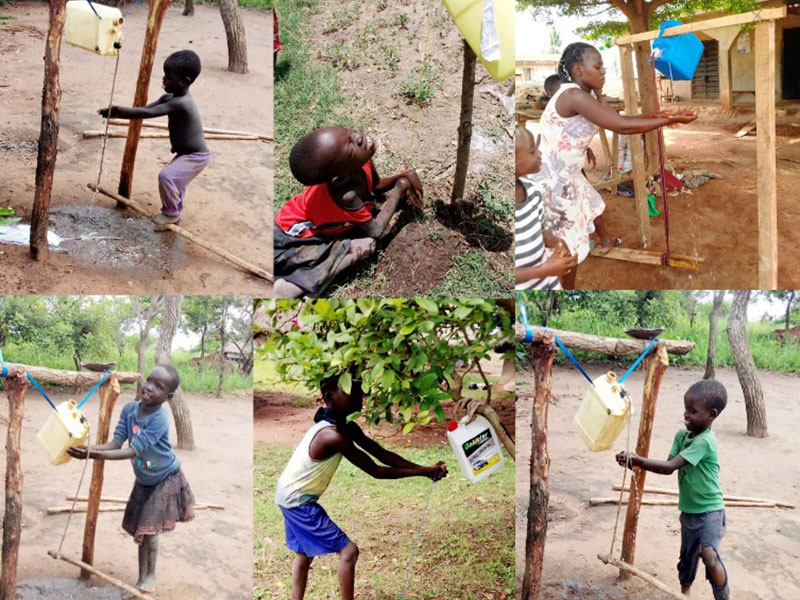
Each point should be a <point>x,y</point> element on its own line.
<point>529,243</point>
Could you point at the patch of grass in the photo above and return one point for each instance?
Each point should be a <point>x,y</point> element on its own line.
<point>382,4</point>
<point>340,56</point>
<point>266,379</point>
<point>262,5</point>
<point>5,18</point>
<point>467,544</point>
<point>496,207</point>
<point>401,20</point>
<point>419,86</point>
<point>472,276</point>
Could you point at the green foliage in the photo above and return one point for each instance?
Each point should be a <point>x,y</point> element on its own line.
<point>405,351</point>
<point>419,86</point>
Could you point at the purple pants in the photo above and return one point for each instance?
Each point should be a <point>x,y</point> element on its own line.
<point>173,179</point>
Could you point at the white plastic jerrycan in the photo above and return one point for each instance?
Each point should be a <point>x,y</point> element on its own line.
<point>85,30</point>
<point>66,428</point>
<point>605,409</point>
<point>476,447</point>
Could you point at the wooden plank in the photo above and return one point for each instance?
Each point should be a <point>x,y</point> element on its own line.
<point>623,566</point>
<point>669,492</point>
<point>109,392</point>
<point>256,270</point>
<point>637,152</point>
<point>133,592</point>
<point>725,80</point>
<point>96,133</point>
<point>649,257</point>
<point>74,378</point>
<point>12,517</point>
<point>756,16</point>
<point>606,147</point>
<point>651,502</point>
<point>121,500</point>
<point>57,510</point>
<point>599,343</point>
<point>745,129</point>
<point>157,125</point>
<point>615,155</point>
<point>766,164</point>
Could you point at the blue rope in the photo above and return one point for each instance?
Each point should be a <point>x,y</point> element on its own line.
<point>94,10</point>
<point>40,390</point>
<point>94,389</point>
<point>572,359</point>
<point>638,360</point>
<point>528,331</point>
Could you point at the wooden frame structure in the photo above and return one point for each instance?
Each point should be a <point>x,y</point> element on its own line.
<point>16,386</point>
<point>543,349</point>
<point>766,169</point>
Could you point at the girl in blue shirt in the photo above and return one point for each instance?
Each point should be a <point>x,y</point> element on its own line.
<point>161,495</point>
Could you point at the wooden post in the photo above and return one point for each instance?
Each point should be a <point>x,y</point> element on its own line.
<point>599,343</point>
<point>543,353</point>
<point>637,153</point>
<point>48,133</point>
<point>614,156</point>
<point>766,156</point>
<point>12,520</point>
<point>464,124</point>
<point>155,16</point>
<point>109,392</point>
<point>606,147</point>
<point>655,364</point>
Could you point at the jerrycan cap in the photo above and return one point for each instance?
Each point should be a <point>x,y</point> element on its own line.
<point>452,426</point>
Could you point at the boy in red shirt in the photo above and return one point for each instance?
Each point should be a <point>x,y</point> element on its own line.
<point>335,222</point>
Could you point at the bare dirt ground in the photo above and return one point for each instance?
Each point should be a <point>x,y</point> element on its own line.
<point>761,547</point>
<point>229,204</point>
<point>210,557</point>
<point>379,49</point>
<point>719,220</point>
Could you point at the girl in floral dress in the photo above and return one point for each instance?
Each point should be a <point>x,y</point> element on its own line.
<point>570,120</point>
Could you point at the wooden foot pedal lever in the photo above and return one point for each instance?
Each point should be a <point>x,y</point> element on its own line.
<point>134,593</point>
<point>649,257</point>
<point>605,558</point>
<point>186,234</point>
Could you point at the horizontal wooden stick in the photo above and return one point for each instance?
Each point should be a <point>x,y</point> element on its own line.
<point>112,580</point>
<point>649,257</point>
<point>650,502</point>
<point>668,492</point>
<point>641,574</point>
<point>599,343</point>
<point>57,510</point>
<point>96,133</point>
<point>156,125</point>
<point>61,377</point>
<point>188,235</point>
<point>120,500</point>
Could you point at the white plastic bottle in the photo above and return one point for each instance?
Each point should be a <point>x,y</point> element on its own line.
<point>476,447</point>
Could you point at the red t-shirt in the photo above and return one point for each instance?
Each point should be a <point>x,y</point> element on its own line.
<point>314,212</point>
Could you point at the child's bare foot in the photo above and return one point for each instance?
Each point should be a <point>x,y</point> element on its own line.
<point>162,221</point>
<point>607,244</point>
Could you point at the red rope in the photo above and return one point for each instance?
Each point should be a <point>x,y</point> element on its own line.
<point>664,257</point>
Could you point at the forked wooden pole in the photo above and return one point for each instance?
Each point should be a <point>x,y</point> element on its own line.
<point>112,580</point>
<point>188,235</point>
<point>109,392</point>
<point>623,566</point>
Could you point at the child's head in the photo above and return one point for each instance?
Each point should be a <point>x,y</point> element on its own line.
<point>329,152</point>
<point>338,400</point>
<point>582,63</point>
<point>551,85</point>
<point>703,402</point>
<point>160,384</point>
<point>180,70</point>
<point>527,158</point>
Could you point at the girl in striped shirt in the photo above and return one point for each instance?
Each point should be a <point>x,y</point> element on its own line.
<point>537,267</point>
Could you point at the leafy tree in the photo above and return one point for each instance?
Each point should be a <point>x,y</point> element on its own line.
<point>411,354</point>
<point>200,315</point>
<point>555,41</point>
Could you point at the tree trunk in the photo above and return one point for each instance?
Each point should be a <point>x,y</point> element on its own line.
<point>543,354</point>
<point>491,415</point>
<point>647,91</point>
<point>12,519</point>
<point>144,333</point>
<point>234,32</point>
<point>109,392</point>
<point>655,364</point>
<point>745,366</point>
<point>188,8</point>
<point>223,316</point>
<point>464,124</point>
<point>711,359</point>
<point>599,343</point>
<point>788,313</point>
<point>48,134</point>
<point>202,344</point>
<point>180,410</point>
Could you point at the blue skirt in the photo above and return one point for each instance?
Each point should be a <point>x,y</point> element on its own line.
<point>310,531</point>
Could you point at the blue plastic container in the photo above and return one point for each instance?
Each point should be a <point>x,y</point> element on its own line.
<point>680,54</point>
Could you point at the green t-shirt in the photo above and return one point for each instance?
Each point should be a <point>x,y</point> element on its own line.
<point>698,482</point>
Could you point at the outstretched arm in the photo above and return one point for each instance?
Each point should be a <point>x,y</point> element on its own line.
<point>109,451</point>
<point>662,467</point>
<point>362,460</point>
<point>385,456</point>
<point>163,106</point>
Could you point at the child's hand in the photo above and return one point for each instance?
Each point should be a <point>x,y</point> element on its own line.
<point>81,452</point>
<point>684,116</point>
<point>590,158</point>
<point>561,261</point>
<point>438,471</point>
<point>626,458</point>
<point>416,187</point>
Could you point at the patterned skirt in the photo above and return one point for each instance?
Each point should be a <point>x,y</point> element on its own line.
<point>153,509</point>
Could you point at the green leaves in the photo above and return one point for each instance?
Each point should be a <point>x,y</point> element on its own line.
<point>345,382</point>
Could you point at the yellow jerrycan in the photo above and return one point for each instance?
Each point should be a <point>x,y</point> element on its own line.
<point>468,17</point>
<point>94,32</point>
<point>65,428</point>
<point>605,409</point>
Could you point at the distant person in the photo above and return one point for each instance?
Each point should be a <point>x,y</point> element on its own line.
<point>694,455</point>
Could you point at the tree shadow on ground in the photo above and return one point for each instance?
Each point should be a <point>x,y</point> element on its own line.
<point>478,228</point>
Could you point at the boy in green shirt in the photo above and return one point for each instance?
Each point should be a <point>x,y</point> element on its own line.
<point>694,456</point>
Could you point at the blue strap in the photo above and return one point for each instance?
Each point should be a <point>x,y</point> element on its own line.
<point>94,10</point>
<point>573,359</point>
<point>94,389</point>
<point>638,360</point>
<point>528,331</point>
<point>40,390</point>
<point>5,368</point>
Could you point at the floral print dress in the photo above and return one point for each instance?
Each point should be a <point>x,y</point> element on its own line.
<point>573,204</point>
